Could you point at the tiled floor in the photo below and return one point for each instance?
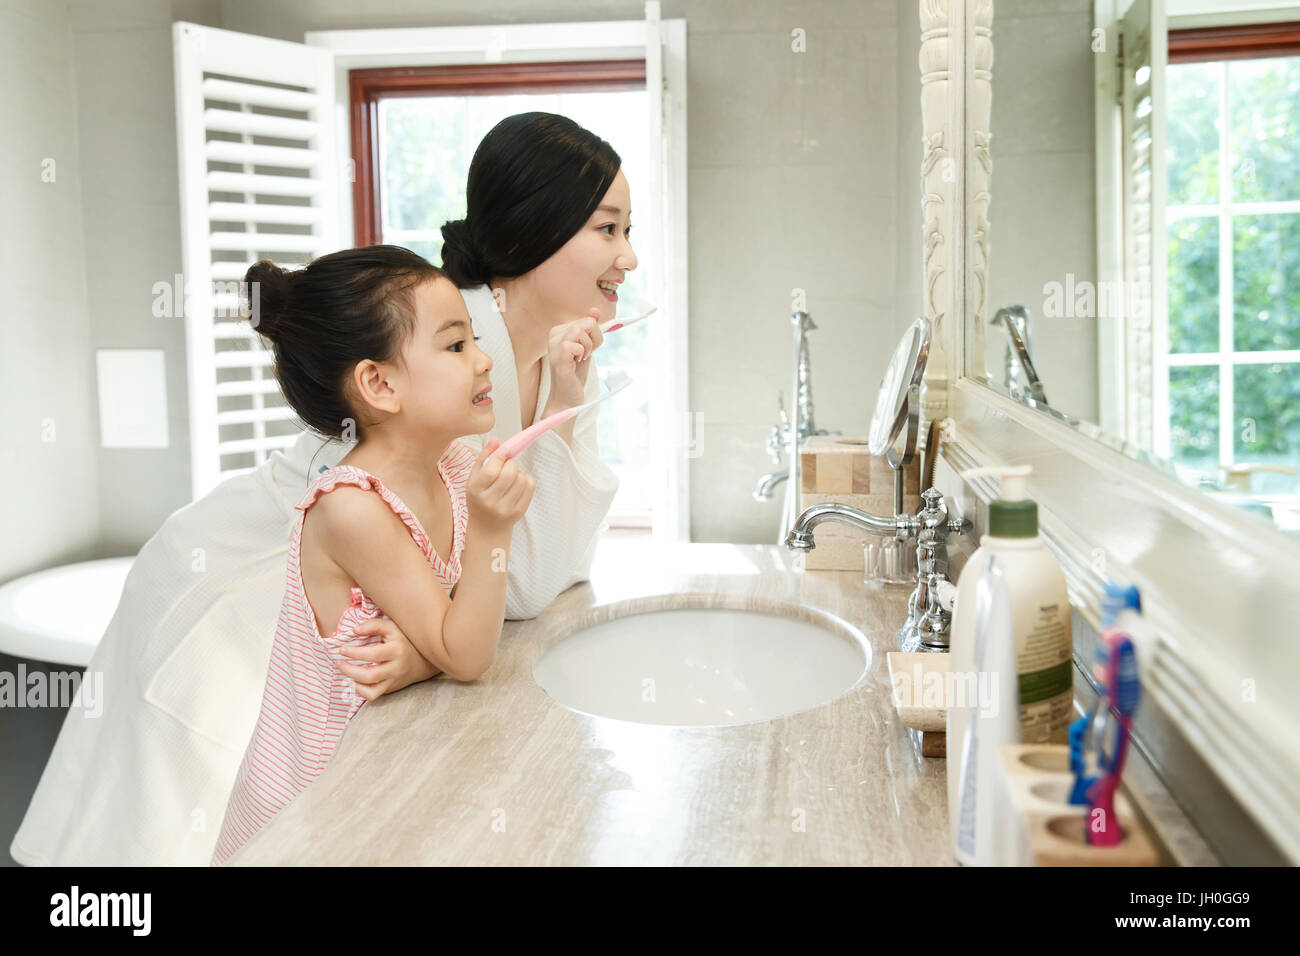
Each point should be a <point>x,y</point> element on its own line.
<point>27,736</point>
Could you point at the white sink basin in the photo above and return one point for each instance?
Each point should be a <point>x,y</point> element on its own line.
<point>705,666</point>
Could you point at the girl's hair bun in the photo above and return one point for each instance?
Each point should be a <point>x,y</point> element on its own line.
<point>324,318</point>
<point>272,289</point>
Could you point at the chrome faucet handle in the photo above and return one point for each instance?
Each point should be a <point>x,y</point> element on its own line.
<point>928,620</point>
<point>779,435</point>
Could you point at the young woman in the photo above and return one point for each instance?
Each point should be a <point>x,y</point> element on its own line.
<point>185,656</point>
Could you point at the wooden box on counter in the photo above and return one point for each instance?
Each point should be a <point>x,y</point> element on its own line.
<point>842,470</point>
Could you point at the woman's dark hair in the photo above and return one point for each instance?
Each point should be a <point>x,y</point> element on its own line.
<point>325,318</point>
<point>533,182</point>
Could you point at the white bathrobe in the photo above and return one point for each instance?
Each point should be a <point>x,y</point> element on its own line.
<point>185,655</point>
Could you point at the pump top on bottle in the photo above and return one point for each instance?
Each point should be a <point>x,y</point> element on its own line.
<point>1011,514</point>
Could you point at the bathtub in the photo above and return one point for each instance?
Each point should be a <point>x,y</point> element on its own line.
<point>59,615</point>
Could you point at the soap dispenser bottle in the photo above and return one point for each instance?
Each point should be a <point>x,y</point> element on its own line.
<point>1040,615</point>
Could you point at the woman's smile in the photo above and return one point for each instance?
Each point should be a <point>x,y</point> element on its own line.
<point>609,289</point>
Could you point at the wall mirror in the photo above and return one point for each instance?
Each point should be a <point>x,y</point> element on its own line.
<point>1100,225</point>
<point>1134,266</point>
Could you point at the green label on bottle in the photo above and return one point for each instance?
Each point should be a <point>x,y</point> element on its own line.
<point>1041,685</point>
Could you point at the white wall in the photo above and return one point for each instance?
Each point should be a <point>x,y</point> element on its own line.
<point>131,221</point>
<point>49,430</point>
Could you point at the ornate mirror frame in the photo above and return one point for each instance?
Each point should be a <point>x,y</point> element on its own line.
<point>1220,588</point>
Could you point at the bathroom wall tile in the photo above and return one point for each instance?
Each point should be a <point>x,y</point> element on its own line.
<point>836,101</point>
<point>52,512</point>
<point>735,223</point>
<point>289,19</point>
<point>1015,9</point>
<point>734,79</point>
<point>726,16</point>
<point>838,233</point>
<point>131,223</point>
<point>95,16</point>
<point>730,464</point>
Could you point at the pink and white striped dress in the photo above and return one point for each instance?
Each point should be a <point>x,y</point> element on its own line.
<point>307,703</point>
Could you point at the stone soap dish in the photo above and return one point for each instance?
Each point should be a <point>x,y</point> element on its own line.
<point>918,680</point>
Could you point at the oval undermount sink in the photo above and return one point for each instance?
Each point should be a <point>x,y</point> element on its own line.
<point>704,666</point>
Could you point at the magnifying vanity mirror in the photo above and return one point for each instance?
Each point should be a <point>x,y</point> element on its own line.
<point>1134,260</point>
<point>895,423</point>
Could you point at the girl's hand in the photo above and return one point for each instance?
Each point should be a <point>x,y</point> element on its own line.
<point>569,351</point>
<point>383,668</point>
<point>498,491</point>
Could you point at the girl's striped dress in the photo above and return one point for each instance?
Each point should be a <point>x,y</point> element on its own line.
<point>307,703</point>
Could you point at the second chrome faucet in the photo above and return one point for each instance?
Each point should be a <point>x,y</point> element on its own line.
<point>896,416</point>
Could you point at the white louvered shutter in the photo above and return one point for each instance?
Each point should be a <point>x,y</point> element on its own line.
<point>258,179</point>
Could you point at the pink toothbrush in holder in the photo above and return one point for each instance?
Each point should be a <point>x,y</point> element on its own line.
<point>615,382</point>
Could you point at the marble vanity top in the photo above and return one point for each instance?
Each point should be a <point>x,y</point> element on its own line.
<point>496,772</point>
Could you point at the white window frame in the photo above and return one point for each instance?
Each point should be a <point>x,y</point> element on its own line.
<point>663,45</point>
<point>1225,357</point>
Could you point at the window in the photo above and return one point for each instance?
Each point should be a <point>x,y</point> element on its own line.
<point>414,133</point>
<point>1233,220</point>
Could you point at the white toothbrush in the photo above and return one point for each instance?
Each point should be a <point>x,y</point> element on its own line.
<point>615,324</point>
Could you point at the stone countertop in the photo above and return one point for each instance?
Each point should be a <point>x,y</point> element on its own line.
<point>496,772</point>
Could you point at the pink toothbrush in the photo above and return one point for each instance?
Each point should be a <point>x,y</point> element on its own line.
<point>615,324</point>
<point>616,382</point>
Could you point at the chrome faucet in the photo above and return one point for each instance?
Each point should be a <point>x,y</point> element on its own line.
<point>786,437</point>
<point>763,491</point>
<point>897,415</point>
<point>929,606</point>
<point>1015,318</point>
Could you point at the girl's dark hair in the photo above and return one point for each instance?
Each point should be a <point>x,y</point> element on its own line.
<point>533,182</point>
<point>325,318</point>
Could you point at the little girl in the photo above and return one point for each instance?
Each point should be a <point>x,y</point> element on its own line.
<point>375,343</point>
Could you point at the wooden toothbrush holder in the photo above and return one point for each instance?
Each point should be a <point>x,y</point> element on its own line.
<point>1050,829</point>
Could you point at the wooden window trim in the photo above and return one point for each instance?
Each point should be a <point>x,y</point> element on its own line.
<point>1245,42</point>
<point>367,87</point>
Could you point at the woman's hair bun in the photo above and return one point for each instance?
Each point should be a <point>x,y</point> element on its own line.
<point>461,258</point>
<point>266,286</point>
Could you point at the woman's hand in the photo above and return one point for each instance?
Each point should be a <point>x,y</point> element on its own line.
<point>498,492</point>
<point>386,667</point>
<point>569,351</point>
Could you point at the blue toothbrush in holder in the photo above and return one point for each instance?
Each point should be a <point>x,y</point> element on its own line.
<point>1089,733</point>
